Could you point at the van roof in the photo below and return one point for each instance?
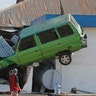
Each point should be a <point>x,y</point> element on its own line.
<point>46,25</point>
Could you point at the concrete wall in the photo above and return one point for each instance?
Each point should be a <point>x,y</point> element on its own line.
<point>81,73</point>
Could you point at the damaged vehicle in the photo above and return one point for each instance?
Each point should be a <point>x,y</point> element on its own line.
<point>58,36</point>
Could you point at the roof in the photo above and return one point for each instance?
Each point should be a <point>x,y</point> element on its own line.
<point>24,12</point>
<point>45,25</point>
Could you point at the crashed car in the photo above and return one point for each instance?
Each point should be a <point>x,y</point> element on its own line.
<point>58,36</point>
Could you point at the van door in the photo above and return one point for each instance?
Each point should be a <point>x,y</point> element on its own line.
<point>28,51</point>
<point>70,37</point>
<point>50,44</point>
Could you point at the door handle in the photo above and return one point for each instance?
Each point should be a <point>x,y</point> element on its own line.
<point>36,51</point>
<point>58,43</point>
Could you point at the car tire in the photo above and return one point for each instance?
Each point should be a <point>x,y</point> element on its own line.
<point>65,58</point>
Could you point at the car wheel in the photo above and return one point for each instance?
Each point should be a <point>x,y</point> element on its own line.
<point>65,58</point>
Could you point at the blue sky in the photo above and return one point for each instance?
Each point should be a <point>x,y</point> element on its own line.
<point>6,3</point>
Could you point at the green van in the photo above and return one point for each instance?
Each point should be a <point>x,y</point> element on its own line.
<point>58,36</point>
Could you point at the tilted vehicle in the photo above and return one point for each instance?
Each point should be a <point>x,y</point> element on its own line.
<point>58,36</point>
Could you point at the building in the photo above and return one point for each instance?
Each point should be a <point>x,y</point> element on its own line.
<point>22,13</point>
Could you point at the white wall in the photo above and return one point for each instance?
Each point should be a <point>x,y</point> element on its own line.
<point>81,73</point>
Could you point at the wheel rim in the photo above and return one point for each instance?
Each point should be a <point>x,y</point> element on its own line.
<point>65,59</point>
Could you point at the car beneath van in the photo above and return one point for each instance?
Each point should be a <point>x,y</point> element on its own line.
<point>58,36</point>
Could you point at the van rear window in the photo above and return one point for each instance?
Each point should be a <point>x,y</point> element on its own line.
<point>47,36</point>
<point>65,30</point>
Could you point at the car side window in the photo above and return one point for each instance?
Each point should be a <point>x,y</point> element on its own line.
<point>27,43</point>
<point>65,30</point>
<point>47,36</point>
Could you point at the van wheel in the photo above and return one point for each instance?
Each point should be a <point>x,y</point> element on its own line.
<point>65,58</point>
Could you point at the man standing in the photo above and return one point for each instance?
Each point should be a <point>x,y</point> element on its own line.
<point>14,82</point>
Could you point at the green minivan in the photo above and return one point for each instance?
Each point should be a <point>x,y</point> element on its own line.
<point>58,37</point>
